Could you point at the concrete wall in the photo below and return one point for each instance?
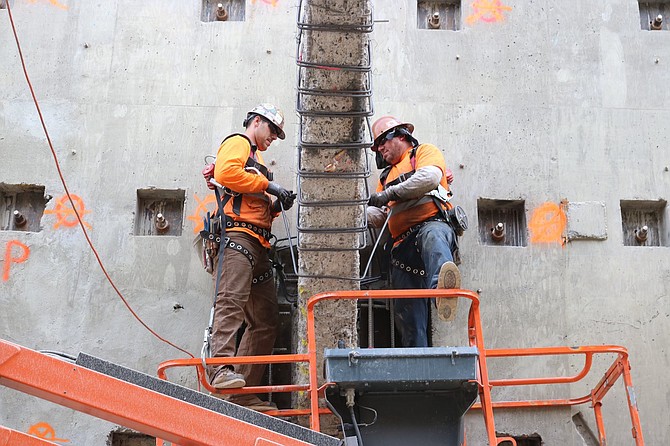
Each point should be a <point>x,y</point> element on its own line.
<point>540,102</point>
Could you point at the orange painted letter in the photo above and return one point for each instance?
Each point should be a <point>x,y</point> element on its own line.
<point>9,259</point>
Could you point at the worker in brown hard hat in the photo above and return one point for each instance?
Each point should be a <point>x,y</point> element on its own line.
<point>414,186</point>
<point>245,289</point>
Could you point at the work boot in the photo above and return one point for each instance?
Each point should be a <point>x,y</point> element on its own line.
<point>252,402</point>
<point>448,278</point>
<point>226,378</point>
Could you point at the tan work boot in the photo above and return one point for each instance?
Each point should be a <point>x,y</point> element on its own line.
<point>226,378</point>
<point>448,278</point>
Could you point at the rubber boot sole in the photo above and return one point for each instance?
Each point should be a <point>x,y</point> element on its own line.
<point>448,278</point>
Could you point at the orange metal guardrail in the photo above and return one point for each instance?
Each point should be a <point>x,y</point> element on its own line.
<point>620,367</point>
<point>475,334</point>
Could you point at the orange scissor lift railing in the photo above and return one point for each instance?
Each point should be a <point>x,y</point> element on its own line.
<point>86,390</point>
<point>620,367</point>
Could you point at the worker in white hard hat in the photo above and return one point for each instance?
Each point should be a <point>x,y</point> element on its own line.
<point>245,290</point>
<point>414,186</point>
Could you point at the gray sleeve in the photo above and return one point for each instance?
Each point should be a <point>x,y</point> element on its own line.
<point>424,180</point>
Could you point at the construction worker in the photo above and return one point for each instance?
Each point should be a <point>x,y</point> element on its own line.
<point>414,185</point>
<point>246,290</point>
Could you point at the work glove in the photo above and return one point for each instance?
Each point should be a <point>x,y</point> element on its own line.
<point>288,203</point>
<point>380,199</point>
<point>281,193</point>
<point>286,197</point>
<point>208,173</point>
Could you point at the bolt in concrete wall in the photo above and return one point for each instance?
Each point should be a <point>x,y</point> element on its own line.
<point>538,102</point>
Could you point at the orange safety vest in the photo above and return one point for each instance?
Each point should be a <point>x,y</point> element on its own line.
<point>413,212</point>
<point>240,169</point>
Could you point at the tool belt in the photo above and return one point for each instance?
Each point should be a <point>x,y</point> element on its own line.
<point>402,256</point>
<point>265,233</point>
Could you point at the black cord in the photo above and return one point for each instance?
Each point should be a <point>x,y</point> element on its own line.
<point>336,413</point>
<point>355,423</point>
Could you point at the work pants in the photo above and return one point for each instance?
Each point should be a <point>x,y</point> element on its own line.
<point>429,247</point>
<point>239,300</point>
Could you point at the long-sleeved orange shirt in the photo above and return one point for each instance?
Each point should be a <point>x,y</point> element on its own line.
<point>423,208</point>
<point>229,171</point>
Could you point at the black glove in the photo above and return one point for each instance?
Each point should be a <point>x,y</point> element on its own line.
<point>278,191</point>
<point>380,199</point>
<point>288,203</point>
<point>286,197</point>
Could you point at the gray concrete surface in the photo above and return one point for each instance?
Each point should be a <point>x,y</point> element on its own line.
<point>544,102</point>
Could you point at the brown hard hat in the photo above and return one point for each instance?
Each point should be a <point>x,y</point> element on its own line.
<point>383,125</point>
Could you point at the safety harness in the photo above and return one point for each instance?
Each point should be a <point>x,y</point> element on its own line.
<point>213,229</point>
<point>408,238</point>
<point>250,164</point>
<point>441,215</point>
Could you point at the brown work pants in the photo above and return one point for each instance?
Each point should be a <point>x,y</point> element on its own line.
<point>238,299</point>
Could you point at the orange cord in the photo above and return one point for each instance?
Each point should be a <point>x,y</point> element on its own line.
<point>74,208</point>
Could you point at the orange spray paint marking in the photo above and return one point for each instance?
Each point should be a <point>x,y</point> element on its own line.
<point>65,215</point>
<point>208,204</point>
<point>53,2</point>
<point>547,224</point>
<point>9,259</point>
<point>487,11</point>
<point>269,2</point>
<point>44,430</point>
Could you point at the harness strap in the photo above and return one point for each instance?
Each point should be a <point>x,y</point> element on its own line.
<point>385,173</point>
<point>401,254</point>
<point>265,233</point>
<point>408,268</point>
<point>250,163</point>
<point>267,275</point>
<point>237,204</point>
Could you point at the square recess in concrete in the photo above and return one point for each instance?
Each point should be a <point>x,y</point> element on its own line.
<point>522,440</point>
<point>508,213</point>
<point>21,207</point>
<point>223,10</point>
<point>650,12</point>
<point>643,222</point>
<point>587,220</point>
<point>127,437</point>
<point>159,212</point>
<point>439,14</point>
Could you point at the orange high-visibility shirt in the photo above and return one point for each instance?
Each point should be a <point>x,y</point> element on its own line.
<point>425,155</point>
<point>229,172</point>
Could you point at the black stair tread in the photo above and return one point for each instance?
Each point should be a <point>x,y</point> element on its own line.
<point>208,402</point>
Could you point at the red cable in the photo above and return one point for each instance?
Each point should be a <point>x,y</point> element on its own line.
<point>74,208</point>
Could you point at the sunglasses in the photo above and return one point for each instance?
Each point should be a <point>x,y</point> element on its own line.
<point>384,137</point>
<point>273,128</point>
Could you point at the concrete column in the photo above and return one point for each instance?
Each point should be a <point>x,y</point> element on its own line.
<point>333,103</point>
